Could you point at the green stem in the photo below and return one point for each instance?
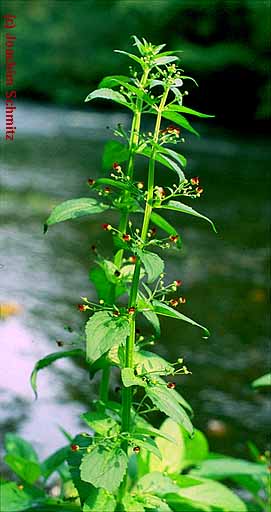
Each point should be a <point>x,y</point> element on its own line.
<point>129,352</point>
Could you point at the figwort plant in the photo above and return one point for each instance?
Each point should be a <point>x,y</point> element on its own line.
<point>124,463</point>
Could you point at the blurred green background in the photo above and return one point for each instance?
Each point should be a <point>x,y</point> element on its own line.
<point>63,49</point>
<point>65,46</point>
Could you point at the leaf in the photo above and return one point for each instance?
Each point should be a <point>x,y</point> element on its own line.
<point>99,500</point>
<point>114,151</point>
<point>179,120</point>
<point>146,443</point>
<point>226,467</point>
<point>171,450</point>
<point>183,208</point>
<point>265,380</point>
<point>186,110</point>
<point>154,321</point>
<point>156,483</point>
<point>146,362</point>
<point>74,460</point>
<point>162,159</point>
<point>51,358</point>
<point>131,56</point>
<point>129,378</point>
<point>100,422</point>
<point>104,467</point>
<point>113,81</point>
<point>153,264</point>
<point>166,402</point>
<point>163,309</point>
<point>112,183</point>
<point>195,449</point>
<point>132,504</point>
<point>16,445</point>
<point>105,289</point>
<point>108,94</point>
<point>159,61</point>
<point>172,165</point>
<point>73,209</point>
<point>166,226</point>
<point>15,499</point>
<point>26,469</point>
<point>206,494</point>
<point>52,463</point>
<point>173,154</point>
<point>103,332</point>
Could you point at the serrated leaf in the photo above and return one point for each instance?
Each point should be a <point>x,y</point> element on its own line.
<point>16,445</point>
<point>186,110</point>
<point>163,309</point>
<point>73,209</point>
<point>265,380</point>
<point>156,483</point>
<point>147,443</point>
<point>148,362</point>
<point>183,208</point>
<point>55,460</point>
<point>207,494</point>
<point>100,422</point>
<point>74,461</point>
<point>103,332</point>
<point>132,504</point>
<point>162,223</point>
<point>113,81</point>
<point>153,264</point>
<point>99,500</point>
<point>108,94</point>
<point>129,378</point>
<point>114,151</point>
<point>104,467</point>
<point>51,358</point>
<point>166,402</point>
<point>26,469</point>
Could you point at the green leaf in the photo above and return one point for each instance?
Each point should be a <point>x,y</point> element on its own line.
<point>206,494</point>
<point>16,445</point>
<point>104,467</point>
<point>179,120</point>
<point>164,310</point>
<point>55,460</point>
<point>162,159</point>
<point>226,467</point>
<point>99,500</point>
<point>174,155</point>
<point>132,504</point>
<point>112,183</point>
<point>100,422</point>
<point>15,499</point>
<point>113,81</point>
<point>26,469</point>
<point>186,110</point>
<point>154,321</point>
<point>195,449</point>
<point>171,450</point>
<point>74,461</point>
<point>156,483</point>
<point>132,56</point>
<point>148,362</point>
<point>105,289</point>
<point>183,208</point>
<point>114,151</point>
<point>153,264</point>
<point>166,402</point>
<point>73,209</point>
<point>108,94</point>
<point>166,226</point>
<point>265,380</point>
<point>172,165</point>
<point>146,443</point>
<point>103,332</point>
<point>129,378</point>
<point>51,358</point>
<point>159,61</point>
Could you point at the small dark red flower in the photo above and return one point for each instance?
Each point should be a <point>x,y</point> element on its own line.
<point>171,385</point>
<point>91,182</point>
<point>81,307</point>
<point>178,282</point>
<point>174,238</point>
<point>199,190</point>
<point>126,237</point>
<point>107,227</point>
<point>132,259</point>
<point>116,165</point>
<point>153,231</point>
<point>116,313</point>
<point>75,447</point>
<point>174,302</point>
<point>195,180</point>
<point>131,310</point>
<point>136,449</point>
<point>107,190</point>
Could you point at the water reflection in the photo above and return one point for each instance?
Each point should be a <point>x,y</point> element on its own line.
<point>224,277</point>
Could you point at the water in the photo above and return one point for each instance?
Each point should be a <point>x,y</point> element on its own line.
<point>225,277</point>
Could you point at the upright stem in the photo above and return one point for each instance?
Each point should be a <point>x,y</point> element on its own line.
<point>125,213</point>
<point>129,352</point>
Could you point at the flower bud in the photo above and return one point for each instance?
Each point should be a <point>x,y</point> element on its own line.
<point>182,300</point>
<point>136,449</point>
<point>171,385</point>
<point>75,447</point>
<point>107,227</point>
<point>174,238</point>
<point>126,237</point>
<point>91,182</point>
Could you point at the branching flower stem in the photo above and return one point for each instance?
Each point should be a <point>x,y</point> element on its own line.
<point>129,351</point>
